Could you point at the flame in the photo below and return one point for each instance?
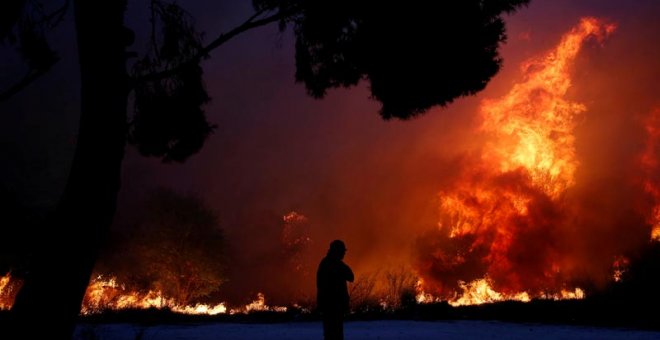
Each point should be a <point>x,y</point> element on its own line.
<point>655,233</point>
<point>423,296</point>
<point>480,291</point>
<point>532,126</point>
<point>9,288</point>
<point>201,308</point>
<point>620,266</point>
<point>258,305</point>
<point>106,294</point>
<point>295,239</point>
<point>4,281</point>
<point>515,189</point>
<point>516,185</point>
<point>650,165</point>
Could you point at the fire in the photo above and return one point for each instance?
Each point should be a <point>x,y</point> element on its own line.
<point>106,294</point>
<point>655,233</point>
<point>480,291</point>
<point>531,128</point>
<point>508,199</point>
<point>512,194</point>
<point>9,287</point>
<point>650,165</point>
<point>620,266</point>
<point>4,281</point>
<point>258,305</point>
<point>295,239</point>
<point>422,296</point>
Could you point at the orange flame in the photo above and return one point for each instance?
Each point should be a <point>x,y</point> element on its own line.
<point>514,190</point>
<point>650,164</point>
<point>9,288</point>
<point>480,291</point>
<point>532,126</point>
<point>106,294</point>
<point>258,305</point>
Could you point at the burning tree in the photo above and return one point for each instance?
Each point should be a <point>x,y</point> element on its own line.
<point>296,241</point>
<point>500,220</point>
<point>338,44</point>
<point>515,222</point>
<point>270,254</point>
<point>175,246</point>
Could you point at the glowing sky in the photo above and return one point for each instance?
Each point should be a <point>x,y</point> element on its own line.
<point>353,175</point>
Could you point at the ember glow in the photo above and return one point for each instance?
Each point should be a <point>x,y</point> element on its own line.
<point>8,289</point>
<point>650,165</point>
<point>259,305</point>
<point>498,236</point>
<point>516,219</point>
<point>106,294</point>
<point>480,291</point>
<point>532,127</point>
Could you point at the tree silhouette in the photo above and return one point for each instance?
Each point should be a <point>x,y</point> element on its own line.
<point>414,55</point>
<point>174,246</point>
<point>17,219</point>
<point>640,281</point>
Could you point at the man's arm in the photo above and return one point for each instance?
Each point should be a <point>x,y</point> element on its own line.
<point>348,273</point>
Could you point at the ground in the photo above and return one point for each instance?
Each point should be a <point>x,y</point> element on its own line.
<point>382,330</point>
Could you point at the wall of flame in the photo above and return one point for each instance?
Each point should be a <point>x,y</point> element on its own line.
<point>516,219</point>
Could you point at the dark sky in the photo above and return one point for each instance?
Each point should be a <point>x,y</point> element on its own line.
<point>334,160</point>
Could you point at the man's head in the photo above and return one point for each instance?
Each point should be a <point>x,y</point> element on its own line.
<point>337,249</point>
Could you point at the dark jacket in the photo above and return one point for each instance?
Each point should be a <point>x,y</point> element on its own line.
<point>332,292</point>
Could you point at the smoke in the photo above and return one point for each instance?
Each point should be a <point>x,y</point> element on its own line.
<point>554,196</point>
<point>379,185</point>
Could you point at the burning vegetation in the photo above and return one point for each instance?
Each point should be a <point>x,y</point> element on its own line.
<point>650,170</point>
<point>172,249</point>
<point>8,289</point>
<point>517,222</point>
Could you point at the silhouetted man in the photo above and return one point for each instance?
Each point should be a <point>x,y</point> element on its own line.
<point>332,293</point>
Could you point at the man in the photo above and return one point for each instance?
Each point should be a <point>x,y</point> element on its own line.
<point>332,293</point>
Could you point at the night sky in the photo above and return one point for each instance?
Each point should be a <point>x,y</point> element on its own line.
<point>371,182</point>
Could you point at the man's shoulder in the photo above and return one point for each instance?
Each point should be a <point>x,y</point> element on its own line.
<point>324,262</point>
<point>330,262</point>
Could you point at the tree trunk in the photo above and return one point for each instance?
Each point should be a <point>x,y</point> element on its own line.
<point>54,288</point>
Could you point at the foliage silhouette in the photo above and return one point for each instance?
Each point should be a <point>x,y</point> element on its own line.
<point>414,56</point>
<point>641,278</point>
<point>338,43</point>
<point>174,246</point>
<point>169,121</point>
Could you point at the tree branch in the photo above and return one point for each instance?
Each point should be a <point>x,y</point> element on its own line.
<point>50,21</point>
<point>154,43</point>
<point>249,24</point>
<point>23,83</point>
<point>54,18</point>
